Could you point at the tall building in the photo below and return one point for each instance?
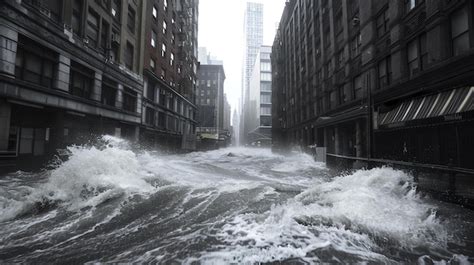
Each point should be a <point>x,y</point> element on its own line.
<point>169,73</point>
<point>253,34</point>
<point>210,101</point>
<point>377,80</point>
<point>257,110</point>
<point>71,70</point>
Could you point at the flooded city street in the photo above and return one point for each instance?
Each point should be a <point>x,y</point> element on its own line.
<point>113,203</point>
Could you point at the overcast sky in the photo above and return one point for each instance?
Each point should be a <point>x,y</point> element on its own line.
<point>221,26</point>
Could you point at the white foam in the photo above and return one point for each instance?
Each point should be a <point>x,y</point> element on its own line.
<point>351,214</point>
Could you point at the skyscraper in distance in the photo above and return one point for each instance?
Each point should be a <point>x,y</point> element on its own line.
<point>253,34</point>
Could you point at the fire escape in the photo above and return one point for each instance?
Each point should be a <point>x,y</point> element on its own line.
<point>186,58</point>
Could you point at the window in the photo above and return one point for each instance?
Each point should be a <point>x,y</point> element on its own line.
<point>162,98</point>
<point>154,13</point>
<point>266,98</point>
<point>412,52</point>
<point>150,92</point>
<point>81,80</point>
<point>382,23</point>
<point>152,64</point>
<point>129,56</point>
<point>265,67</point>
<point>163,73</point>
<point>460,31</point>
<point>163,50</point>
<point>153,39</point>
<point>116,8</point>
<point>265,76</point>
<point>104,35</point>
<point>208,83</point>
<point>333,99</point>
<point>35,63</point>
<point>150,116</point>
<point>265,86</point>
<point>92,32</point>
<point>161,119</point>
<point>385,72</point>
<point>266,110</point>
<point>164,27</point>
<point>109,92</point>
<point>423,52</point>
<point>410,4</point>
<point>129,100</point>
<point>131,19</point>
<point>358,92</point>
<point>355,45</point>
<point>76,20</point>
<point>171,58</point>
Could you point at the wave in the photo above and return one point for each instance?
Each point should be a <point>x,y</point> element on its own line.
<point>362,214</point>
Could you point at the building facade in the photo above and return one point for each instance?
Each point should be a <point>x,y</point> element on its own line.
<point>258,107</point>
<point>377,80</point>
<point>71,70</point>
<point>210,101</point>
<point>253,34</point>
<point>169,73</point>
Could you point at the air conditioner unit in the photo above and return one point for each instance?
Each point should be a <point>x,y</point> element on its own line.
<point>115,38</point>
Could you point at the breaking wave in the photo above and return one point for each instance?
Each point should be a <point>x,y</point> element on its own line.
<point>234,205</point>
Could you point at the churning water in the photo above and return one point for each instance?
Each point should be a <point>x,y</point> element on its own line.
<point>111,203</point>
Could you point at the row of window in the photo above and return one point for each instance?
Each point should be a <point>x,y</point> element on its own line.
<point>162,120</point>
<point>168,101</point>
<point>38,65</point>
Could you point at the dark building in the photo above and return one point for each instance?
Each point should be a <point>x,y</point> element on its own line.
<point>74,69</point>
<point>68,70</point>
<point>386,81</point>
<point>210,101</point>
<point>169,73</point>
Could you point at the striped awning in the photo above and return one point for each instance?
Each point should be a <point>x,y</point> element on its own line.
<point>441,104</point>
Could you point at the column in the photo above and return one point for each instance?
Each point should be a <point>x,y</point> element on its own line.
<point>63,73</point>
<point>358,143</point>
<point>336,141</point>
<point>97,89</point>
<point>119,97</point>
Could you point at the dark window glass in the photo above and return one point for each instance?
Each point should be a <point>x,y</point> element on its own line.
<point>76,20</point>
<point>104,35</point>
<point>129,56</point>
<point>150,93</point>
<point>358,92</point>
<point>129,100</point>
<point>161,119</point>
<point>150,116</point>
<point>35,63</point>
<point>92,32</point>
<point>384,72</point>
<point>81,80</point>
<point>412,53</point>
<point>460,31</point>
<point>131,19</point>
<point>109,92</point>
<point>382,23</point>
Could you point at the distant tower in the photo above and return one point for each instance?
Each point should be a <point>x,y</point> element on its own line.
<point>253,33</point>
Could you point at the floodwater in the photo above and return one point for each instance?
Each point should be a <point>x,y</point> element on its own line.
<point>114,203</point>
